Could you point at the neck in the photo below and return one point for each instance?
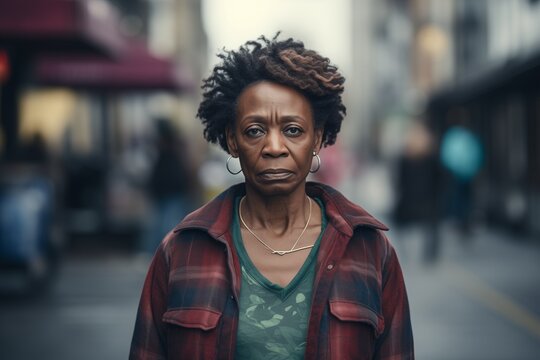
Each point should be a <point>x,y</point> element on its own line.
<point>277,214</point>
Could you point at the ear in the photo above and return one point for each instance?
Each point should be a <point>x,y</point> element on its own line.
<point>231,141</point>
<point>318,140</point>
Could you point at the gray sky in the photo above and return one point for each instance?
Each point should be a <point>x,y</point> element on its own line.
<point>323,25</point>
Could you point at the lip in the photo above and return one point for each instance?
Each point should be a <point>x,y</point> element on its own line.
<point>274,171</point>
<point>275,174</point>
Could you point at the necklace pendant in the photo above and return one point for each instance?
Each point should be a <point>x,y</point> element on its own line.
<point>280,252</point>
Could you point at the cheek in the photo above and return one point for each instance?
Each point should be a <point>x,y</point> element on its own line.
<point>249,156</point>
<point>303,159</point>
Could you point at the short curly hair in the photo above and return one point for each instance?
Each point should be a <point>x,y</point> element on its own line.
<point>285,62</point>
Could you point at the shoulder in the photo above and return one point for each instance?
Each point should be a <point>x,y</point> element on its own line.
<point>372,243</point>
<point>345,215</point>
<point>189,247</point>
<point>366,235</point>
<point>215,216</point>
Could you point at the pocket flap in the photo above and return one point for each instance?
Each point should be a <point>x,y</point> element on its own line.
<point>354,312</point>
<point>197,318</point>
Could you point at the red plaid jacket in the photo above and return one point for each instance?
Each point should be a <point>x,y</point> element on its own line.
<point>189,303</point>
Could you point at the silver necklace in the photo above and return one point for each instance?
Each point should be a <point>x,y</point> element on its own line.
<point>273,251</point>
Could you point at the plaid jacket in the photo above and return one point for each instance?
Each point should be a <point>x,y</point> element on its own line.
<point>189,303</point>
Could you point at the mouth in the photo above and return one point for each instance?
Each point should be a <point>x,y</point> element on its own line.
<point>275,174</point>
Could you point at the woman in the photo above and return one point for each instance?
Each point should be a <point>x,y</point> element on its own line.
<point>276,267</point>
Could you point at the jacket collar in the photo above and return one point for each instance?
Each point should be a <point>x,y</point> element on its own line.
<point>215,217</point>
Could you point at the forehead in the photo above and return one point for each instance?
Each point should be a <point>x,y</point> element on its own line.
<point>268,96</point>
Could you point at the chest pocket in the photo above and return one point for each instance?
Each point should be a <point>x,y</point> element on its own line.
<point>192,333</point>
<point>202,319</point>
<point>353,329</point>
<point>197,297</point>
<point>355,311</point>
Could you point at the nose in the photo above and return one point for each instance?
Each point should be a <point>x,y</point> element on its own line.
<point>274,145</point>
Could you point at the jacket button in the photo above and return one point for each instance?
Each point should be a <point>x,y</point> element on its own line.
<point>329,266</point>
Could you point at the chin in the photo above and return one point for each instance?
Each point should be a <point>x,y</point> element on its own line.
<point>276,189</point>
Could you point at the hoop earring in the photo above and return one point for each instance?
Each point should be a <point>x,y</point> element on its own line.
<point>318,163</point>
<point>228,169</point>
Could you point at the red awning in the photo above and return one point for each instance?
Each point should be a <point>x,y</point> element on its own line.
<point>67,25</point>
<point>136,69</point>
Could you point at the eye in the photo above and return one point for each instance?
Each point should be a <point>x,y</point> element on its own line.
<point>254,132</point>
<point>293,131</point>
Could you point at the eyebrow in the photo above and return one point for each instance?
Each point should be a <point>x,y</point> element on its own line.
<point>293,117</point>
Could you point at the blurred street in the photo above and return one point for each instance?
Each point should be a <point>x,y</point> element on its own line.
<point>88,314</point>
<point>102,152</point>
<point>477,302</point>
<point>463,307</point>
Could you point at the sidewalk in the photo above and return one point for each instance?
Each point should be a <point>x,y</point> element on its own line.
<point>88,314</point>
<point>480,301</point>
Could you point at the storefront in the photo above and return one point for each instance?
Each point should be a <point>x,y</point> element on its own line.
<point>31,27</point>
<point>501,106</point>
<point>107,143</point>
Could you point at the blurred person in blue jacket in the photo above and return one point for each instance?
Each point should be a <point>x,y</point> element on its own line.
<point>462,155</point>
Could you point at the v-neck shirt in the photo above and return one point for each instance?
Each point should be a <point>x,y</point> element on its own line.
<point>273,319</point>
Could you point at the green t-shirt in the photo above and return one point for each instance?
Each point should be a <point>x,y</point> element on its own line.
<point>273,320</point>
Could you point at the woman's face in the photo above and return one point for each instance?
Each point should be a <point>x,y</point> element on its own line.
<point>274,137</point>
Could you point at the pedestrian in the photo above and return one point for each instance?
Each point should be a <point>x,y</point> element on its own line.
<point>416,206</point>
<point>170,185</point>
<point>462,155</point>
<point>274,267</point>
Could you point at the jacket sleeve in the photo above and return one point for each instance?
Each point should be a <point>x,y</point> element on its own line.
<point>149,338</point>
<point>396,341</point>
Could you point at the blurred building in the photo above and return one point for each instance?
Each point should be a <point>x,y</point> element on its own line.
<point>380,83</point>
<point>476,61</point>
<point>93,95</point>
<point>496,70</point>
